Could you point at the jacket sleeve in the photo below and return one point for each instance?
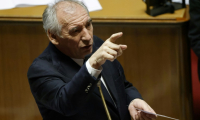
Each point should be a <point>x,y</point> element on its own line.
<point>50,88</point>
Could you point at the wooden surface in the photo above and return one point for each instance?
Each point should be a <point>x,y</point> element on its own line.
<point>129,9</point>
<point>156,61</point>
<point>112,9</point>
<point>20,43</point>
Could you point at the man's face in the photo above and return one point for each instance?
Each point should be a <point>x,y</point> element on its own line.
<point>77,31</point>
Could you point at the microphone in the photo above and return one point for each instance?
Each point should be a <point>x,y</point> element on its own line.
<point>102,97</point>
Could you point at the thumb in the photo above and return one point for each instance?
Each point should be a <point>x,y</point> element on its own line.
<point>123,47</point>
<point>133,112</point>
<point>115,36</point>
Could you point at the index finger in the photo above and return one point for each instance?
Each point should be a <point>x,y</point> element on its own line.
<point>115,36</point>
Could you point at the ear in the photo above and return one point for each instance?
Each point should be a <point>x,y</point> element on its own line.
<point>53,38</point>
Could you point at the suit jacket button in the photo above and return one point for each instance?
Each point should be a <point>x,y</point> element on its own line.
<point>86,90</point>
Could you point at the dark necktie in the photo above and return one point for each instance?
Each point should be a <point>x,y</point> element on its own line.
<point>107,96</point>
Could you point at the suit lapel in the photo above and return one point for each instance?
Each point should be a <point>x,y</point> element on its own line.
<point>107,76</point>
<point>106,73</point>
<point>64,64</point>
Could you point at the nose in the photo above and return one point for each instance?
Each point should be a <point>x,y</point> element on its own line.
<point>85,35</point>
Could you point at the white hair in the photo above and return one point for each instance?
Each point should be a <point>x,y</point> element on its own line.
<point>50,21</point>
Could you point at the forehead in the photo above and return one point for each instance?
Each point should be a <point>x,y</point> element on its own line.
<point>71,13</point>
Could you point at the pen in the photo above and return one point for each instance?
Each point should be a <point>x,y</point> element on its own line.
<point>156,114</point>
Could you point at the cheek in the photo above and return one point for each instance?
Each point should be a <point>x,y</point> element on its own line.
<point>70,43</point>
<point>76,43</point>
<point>91,30</point>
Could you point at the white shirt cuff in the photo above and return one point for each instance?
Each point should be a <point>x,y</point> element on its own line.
<point>92,71</point>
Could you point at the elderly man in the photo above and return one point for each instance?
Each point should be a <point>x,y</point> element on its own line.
<point>64,87</point>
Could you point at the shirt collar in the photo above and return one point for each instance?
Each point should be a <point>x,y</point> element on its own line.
<point>78,61</point>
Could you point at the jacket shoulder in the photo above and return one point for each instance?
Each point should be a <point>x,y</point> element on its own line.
<point>97,41</point>
<point>41,67</point>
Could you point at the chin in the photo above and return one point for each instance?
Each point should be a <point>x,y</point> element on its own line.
<point>89,52</point>
<point>86,53</point>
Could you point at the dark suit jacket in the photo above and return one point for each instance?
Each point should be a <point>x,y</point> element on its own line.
<point>194,29</point>
<point>65,91</point>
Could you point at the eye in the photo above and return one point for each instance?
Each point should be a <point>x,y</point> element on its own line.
<point>89,23</point>
<point>76,30</point>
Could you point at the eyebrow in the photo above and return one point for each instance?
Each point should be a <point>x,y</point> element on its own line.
<point>74,28</point>
<point>90,20</point>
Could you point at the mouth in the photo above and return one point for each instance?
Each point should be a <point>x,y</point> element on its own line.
<point>87,47</point>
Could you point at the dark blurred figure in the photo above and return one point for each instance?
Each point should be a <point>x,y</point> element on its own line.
<point>194,29</point>
<point>194,36</point>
